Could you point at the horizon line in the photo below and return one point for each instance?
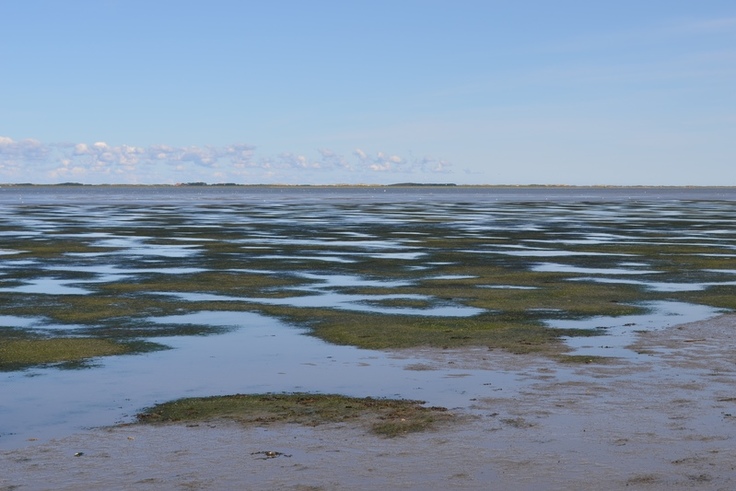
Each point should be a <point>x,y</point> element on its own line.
<point>345,185</point>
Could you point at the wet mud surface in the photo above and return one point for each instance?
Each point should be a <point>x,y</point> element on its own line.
<point>663,420</point>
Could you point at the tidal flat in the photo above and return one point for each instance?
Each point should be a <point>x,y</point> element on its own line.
<point>117,299</point>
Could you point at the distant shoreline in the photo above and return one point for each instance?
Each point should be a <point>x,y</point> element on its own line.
<point>393,185</point>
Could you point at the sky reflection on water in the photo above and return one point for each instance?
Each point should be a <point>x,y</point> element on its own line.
<point>617,333</point>
<point>259,355</point>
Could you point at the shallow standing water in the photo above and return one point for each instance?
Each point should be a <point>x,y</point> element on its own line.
<point>320,237</point>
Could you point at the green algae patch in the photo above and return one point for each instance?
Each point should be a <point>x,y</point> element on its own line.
<point>385,417</point>
<point>54,247</point>
<point>21,353</point>
<point>220,281</point>
<point>583,359</point>
<point>716,296</point>
<point>572,299</point>
<point>379,331</point>
<point>95,309</point>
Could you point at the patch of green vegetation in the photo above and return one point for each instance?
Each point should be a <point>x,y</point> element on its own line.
<point>222,282</point>
<point>678,257</point>
<point>95,309</point>
<point>144,329</point>
<point>645,351</point>
<point>52,247</point>
<point>385,417</point>
<point>400,303</point>
<point>716,296</point>
<point>585,359</point>
<point>643,479</point>
<point>518,422</point>
<point>543,291</point>
<point>22,352</point>
<point>378,331</point>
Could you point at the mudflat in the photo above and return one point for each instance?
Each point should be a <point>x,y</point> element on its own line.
<point>665,419</point>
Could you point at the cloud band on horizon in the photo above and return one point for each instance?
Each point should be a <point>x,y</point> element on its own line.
<point>30,160</point>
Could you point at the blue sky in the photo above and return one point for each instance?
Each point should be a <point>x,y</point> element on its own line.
<point>368,92</point>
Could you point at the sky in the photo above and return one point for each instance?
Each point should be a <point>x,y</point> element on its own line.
<point>574,92</point>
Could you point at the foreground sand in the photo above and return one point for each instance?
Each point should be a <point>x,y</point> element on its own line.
<point>666,420</point>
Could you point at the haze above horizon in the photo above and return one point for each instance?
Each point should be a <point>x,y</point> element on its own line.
<point>333,92</point>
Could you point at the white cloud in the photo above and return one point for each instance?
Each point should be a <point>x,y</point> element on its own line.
<point>28,149</point>
<point>101,162</point>
<point>385,167</point>
<point>332,159</point>
<point>81,149</point>
<point>387,163</point>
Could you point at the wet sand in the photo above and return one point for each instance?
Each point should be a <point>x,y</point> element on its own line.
<point>663,420</point>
